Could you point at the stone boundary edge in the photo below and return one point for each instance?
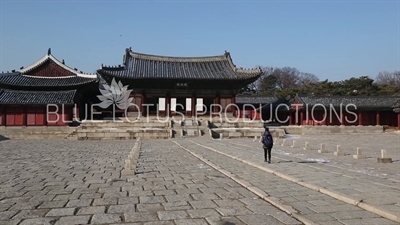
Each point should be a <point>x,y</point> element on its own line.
<point>336,195</point>
<point>272,200</point>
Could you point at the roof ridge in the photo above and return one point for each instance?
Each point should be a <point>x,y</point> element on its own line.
<point>61,64</point>
<point>36,91</point>
<point>42,77</point>
<point>176,58</point>
<point>183,59</point>
<point>253,70</point>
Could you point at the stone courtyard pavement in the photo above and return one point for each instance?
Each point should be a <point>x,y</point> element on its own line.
<point>199,181</point>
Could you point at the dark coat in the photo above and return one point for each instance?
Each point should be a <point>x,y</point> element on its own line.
<point>266,135</point>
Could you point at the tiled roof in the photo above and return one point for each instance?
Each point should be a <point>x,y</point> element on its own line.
<point>377,102</point>
<point>280,104</point>
<point>50,57</point>
<point>11,97</point>
<point>143,66</point>
<point>396,104</point>
<point>17,79</point>
<point>255,99</point>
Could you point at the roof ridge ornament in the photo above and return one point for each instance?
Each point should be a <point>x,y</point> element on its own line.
<point>49,51</point>
<point>226,54</point>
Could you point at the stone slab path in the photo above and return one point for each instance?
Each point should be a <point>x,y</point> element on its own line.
<point>69,182</point>
<point>196,181</point>
<point>371,191</point>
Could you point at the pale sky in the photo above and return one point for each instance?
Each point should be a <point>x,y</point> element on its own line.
<point>334,40</point>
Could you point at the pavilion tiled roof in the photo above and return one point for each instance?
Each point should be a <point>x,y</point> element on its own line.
<point>144,66</point>
<point>18,79</point>
<point>255,99</point>
<point>378,102</point>
<point>280,104</point>
<point>396,104</point>
<point>13,97</point>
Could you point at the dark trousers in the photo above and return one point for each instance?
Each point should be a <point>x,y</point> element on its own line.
<point>267,152</point>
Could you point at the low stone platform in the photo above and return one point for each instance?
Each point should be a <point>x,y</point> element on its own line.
<point>33,133</point>
<point>107,130</point>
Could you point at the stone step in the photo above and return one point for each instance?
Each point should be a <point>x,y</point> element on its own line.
<point>126,125</point>
<point>191,132</point>
<point>188,123</point>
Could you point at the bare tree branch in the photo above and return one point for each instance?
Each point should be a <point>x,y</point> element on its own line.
<point>388,78</point>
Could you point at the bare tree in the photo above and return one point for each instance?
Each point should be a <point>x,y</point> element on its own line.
<point>388,78</point>
<point>287,77</point>
<point>307,78</point>
<point>265,82</point>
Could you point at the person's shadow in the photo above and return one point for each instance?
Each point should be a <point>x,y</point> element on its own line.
<point>2,138</point>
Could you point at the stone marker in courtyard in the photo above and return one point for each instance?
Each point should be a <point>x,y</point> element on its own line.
<point>339,151</point>
<point>127,169</point>
<point>384,158</point>
<point>322,150</point>
<point>359,154</point>
<point>307,146</point>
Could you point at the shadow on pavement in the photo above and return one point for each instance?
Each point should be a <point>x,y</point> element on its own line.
<point>2,138</point>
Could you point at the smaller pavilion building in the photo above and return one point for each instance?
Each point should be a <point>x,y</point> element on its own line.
<point>46,93</point>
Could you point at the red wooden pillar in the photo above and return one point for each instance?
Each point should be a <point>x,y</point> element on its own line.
<point>233,102</point>
<point>194,102</point>
<point>45,115</point>
<point>360,122</point>
<point>325,117</point>
<point>378,118</point>
<point>341,118</point>
<point>217,101</point>
<point>290,119</point>
<point>24,116</point>
<point>301,118</point>
<point>168,104</point>
<point>3,117</point>
<point>142,102</point>
<point>398,121</point>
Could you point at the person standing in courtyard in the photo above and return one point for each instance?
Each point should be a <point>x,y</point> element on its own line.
<point>268,143</point>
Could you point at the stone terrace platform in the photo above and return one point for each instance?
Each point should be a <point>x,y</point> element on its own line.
<point>200,181</point>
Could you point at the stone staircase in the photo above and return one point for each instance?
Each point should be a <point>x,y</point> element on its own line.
<point>122,130</point>
<point>190,128</point>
